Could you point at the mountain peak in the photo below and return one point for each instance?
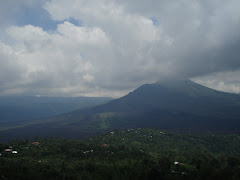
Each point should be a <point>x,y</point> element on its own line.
<point>173,80</point>
<point>185,86</point>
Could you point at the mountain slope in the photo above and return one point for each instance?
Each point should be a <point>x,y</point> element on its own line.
<point>180,104</point>
<point>18,109</point>
<point>175,104</point>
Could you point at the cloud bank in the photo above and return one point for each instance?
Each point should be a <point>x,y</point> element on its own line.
<point>119,45</point>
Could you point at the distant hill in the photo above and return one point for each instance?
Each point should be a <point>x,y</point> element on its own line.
<point>176,105</point>
<point>17,109</point>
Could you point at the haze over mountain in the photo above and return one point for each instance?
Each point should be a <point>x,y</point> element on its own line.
<point>178,104</point>
<point>19,109</point>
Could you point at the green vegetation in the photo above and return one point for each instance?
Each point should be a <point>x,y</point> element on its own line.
<point>126,154</point>
<point>103,120</point>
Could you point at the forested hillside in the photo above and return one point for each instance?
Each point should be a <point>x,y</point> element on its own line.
<point>126,154</point>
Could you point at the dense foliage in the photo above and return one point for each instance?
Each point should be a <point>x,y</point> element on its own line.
<point>127,154</point>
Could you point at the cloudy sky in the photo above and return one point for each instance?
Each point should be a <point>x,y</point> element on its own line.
<point>110,47</point>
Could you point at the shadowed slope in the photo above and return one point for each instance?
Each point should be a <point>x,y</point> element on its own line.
<point>180,104</point>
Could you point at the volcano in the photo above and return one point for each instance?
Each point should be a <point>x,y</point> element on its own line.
<point>175,104</point>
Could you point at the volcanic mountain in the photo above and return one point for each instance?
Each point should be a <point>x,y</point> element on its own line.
<point>176,104</point>
<point>173,104</point>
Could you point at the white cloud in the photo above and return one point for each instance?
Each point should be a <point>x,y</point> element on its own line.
<point>221,86</point>
<point>11,69</point>
<point>227,81</point>
<point>118,47</point>
<point>84,35</point>
<point>53,60</point>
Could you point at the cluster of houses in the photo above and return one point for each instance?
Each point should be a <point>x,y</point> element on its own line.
<point>10,150</point>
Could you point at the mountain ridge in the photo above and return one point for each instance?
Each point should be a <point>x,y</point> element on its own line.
<point>169,105</point>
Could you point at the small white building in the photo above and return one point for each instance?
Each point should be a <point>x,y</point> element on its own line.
<point>176,163</point>
<point>8,150</point>
<point>14,152</point>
